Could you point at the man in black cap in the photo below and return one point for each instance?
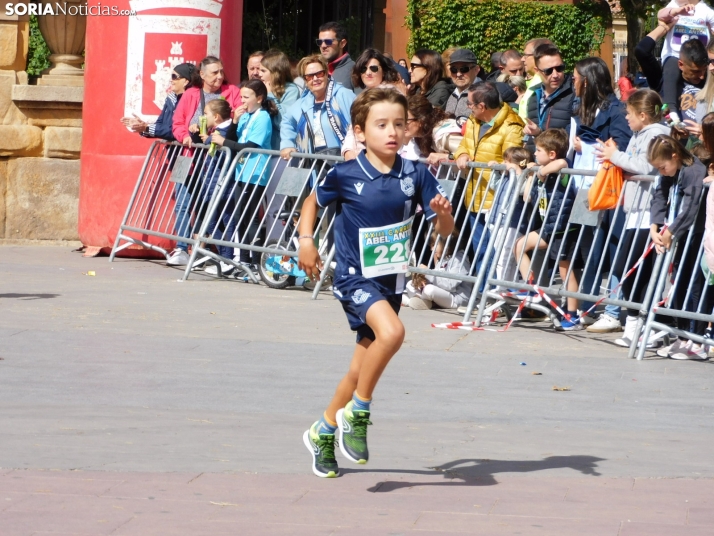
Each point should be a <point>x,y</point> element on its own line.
<point>464,72</point>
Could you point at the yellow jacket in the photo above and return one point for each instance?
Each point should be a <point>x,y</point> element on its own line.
<point>507,131</point>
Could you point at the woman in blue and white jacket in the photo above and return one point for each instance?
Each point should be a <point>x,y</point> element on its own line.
<point>318,121</point>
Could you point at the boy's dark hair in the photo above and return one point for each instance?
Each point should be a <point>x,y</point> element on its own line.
<point>220,107</point>
<point>486,93</point>
<point>367,99</point>
<point>694,51</point>
<point>340,31</point>
<point>547,49</point>
<point>554,139</point>
<point>662,147</point>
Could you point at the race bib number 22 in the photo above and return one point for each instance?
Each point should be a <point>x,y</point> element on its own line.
<point>385,250</point>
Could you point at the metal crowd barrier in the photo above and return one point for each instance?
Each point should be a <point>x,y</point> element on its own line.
<point>684,289</point>
<point>587,245</point>
<point>258,186</point>
<point>172,196</point>
<point>489,185</point>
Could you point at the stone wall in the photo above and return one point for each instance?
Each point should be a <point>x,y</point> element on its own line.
<point>40,141</point>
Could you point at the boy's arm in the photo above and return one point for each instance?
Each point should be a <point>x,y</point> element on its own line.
<point>441,206</point>
<point>553,167</point>
<point>308,257</point>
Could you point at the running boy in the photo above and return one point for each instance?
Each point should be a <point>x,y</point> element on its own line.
<point>376,195</point>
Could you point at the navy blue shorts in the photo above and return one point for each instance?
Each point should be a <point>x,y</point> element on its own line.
<point>357,294</point>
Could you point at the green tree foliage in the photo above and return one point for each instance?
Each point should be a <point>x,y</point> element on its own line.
<point>39,52</point>
<point>493,25</point>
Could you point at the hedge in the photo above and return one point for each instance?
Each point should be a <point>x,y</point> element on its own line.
<point>494,25</point>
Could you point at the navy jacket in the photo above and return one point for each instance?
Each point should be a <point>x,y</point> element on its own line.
<point>558,194</point>
<point>162,127</point>
<point>609,123</point>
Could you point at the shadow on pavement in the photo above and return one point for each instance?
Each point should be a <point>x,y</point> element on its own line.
<point>473,472</point>
<point>29,296</point>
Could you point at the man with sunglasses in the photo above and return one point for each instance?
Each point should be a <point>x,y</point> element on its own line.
<point>332,40</point>
<point>551,105</point>
<point>464,73</point>
<point>532,77</point>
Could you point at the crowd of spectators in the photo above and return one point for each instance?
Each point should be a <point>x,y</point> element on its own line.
<point>461,111</point>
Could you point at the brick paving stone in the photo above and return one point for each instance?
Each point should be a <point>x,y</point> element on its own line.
<point>497,525</point>
<point>48,482</point>
<point>701,516</point>
<point>649,529</point>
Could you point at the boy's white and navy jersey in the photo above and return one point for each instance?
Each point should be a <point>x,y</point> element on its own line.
<point>367,198</point>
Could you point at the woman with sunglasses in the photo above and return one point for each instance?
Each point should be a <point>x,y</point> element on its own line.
<point>427,74</point>
<point>372,69</point>
<point>318,121</point>
<point>183,77</point>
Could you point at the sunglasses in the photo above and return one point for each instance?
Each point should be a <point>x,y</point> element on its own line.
<point>373,68</point>
<point>711,61</point>
<point>549,70</point>
<point>175,76</point>
<point>415,65</point>
<point>318,74</point>
<point>327,42</point>
<point>462,70</point>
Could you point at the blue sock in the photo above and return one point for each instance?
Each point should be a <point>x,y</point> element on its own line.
<point>359,403</point>
<point>324,427</point>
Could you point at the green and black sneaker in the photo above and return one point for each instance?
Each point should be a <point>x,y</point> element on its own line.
<point>352,433</point>
<point>322,448</point>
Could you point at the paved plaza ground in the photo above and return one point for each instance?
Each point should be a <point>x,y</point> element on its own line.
<point>134,404</point>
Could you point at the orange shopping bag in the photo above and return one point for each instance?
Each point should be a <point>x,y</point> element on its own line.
<point>605,191</point>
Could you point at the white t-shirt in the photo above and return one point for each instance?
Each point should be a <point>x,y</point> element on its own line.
<point>694,26</point>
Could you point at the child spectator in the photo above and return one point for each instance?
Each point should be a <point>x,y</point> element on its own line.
<point>376,196</point>
<point>517,159</point>
<point>644,113</point>
<point>251,127</point>
<point>425,290</point>
<point>218,122</point>
<point>675,202</point>
<point>553,195</point>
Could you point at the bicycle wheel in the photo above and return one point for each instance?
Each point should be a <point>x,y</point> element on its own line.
<point>276,270</point>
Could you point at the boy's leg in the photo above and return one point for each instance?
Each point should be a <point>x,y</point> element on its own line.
<point>530,242</point>
<point>386,332</point>
<point>572,284</point>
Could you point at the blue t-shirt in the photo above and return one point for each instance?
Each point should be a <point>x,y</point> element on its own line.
<point>366,199</point>
<point>258,128</point>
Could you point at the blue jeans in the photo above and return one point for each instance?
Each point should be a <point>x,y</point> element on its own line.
<point>182,210</point>
<point>479,241</point>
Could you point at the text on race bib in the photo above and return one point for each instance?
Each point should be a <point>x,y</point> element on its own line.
<point>385,250</point>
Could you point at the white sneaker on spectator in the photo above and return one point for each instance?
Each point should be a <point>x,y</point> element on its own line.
<point>698,352</point>
<point>664,351</point>
<point>178,257</point>
<point>420,304</point>
<point>588,320</point>
<point>605,324</point>
<point>680,350</point>
<point>629,335</point>
<point>226,269</point>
